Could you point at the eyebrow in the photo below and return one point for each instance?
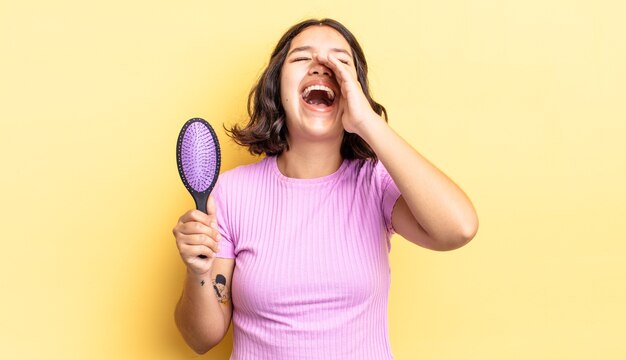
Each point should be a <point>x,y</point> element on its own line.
<point>307,48</point>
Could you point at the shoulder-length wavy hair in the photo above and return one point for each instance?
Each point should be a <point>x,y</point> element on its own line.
<point>266,132</point>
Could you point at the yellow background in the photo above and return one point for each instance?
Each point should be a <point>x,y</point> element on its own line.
<point>523,103</point>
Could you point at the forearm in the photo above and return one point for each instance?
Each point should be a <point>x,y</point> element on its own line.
<point>439,206</point>
<point>199,316</point>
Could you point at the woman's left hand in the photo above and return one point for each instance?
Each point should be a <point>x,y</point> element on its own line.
<point>354,109</point>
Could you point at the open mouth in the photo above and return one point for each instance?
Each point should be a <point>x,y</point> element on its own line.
<point>318,96</point>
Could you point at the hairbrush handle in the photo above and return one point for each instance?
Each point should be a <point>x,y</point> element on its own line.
<point>201,200</point>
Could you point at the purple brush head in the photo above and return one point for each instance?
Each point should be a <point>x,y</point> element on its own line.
<point>198,157</point>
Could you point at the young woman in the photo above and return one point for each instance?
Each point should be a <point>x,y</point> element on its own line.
<point>296,245</point>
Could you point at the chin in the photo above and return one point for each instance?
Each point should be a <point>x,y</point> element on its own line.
<point>324,132</point>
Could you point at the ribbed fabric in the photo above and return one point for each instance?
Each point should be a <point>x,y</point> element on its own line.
<point>312,277</point>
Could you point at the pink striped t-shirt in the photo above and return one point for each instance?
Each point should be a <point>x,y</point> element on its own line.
<point>312,276</point>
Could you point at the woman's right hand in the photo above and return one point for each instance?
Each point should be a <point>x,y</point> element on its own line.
<point>197,238</point>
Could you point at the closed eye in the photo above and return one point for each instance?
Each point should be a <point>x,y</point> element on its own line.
<point>301,59</point>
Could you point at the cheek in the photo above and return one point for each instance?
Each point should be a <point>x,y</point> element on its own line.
<point>288,93</point>
<point>286,99</point>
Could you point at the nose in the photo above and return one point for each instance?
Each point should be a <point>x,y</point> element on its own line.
<point>318,69</point>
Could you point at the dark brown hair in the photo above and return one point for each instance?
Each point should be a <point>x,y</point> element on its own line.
<point>266,132</point>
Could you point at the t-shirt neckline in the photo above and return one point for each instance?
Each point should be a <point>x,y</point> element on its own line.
<point>318,180</point>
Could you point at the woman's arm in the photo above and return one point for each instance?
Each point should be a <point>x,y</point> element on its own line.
<point>204,310</point>
<point>433,211</point>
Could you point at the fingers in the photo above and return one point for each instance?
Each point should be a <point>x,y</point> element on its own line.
<point>192,251</point>
<point>196,233</point>
<point>200,239</point>
<point>207,220</point>
<point>334,64</point>
<point>340,69</point>
<point>198,258</point>
<point>195,227</point>
<point>197,251</point>
<point>199,263</point>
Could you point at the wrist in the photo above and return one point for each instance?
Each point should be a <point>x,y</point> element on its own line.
<point>368,128</point>
<point>198,276</point>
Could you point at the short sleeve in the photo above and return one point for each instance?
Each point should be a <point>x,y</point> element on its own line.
<point>227,248</point>
<point>389,194</point>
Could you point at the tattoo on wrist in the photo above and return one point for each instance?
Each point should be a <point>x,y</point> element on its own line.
<point>221,291</point>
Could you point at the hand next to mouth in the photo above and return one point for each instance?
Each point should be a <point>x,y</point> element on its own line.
<point>355,111</point>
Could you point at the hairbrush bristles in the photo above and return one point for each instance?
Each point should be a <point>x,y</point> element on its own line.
<point>198,157</point>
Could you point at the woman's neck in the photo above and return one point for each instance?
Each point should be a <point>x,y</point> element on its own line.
<point>311,161</point>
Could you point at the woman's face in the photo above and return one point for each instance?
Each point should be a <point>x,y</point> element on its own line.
<point>309,91</point>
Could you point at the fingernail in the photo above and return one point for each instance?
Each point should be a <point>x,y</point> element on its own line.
<point>214,225</point>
